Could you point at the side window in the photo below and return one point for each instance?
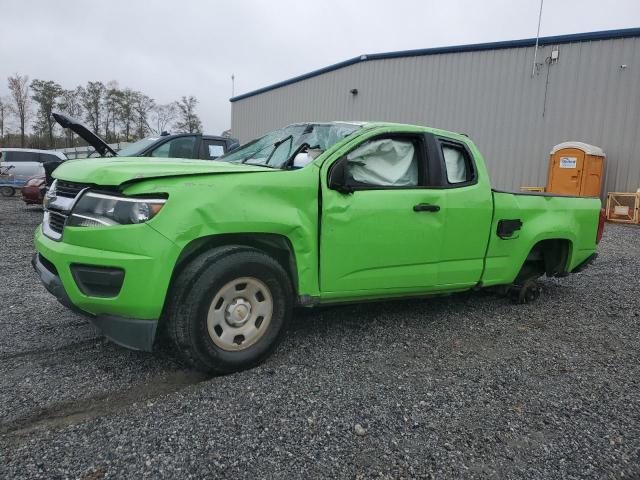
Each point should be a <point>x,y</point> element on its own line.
<point>20,157</point>
<point>181,147</point>
<point>212,149</point>
<point>386,162</point>
<point>457,163</point>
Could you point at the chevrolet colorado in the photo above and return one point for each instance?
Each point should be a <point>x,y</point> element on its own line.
<point>216,254</point>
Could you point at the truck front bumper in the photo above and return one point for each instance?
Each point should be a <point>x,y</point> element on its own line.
<point>128,315</point>
<point>131,333</point>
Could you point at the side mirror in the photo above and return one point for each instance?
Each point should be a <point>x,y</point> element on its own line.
<point>338,178</point>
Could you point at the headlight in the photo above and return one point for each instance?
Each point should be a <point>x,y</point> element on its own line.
<point>50,195</point>
<point>102,210</point>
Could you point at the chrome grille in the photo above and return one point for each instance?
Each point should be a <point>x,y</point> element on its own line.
<point>58,204</point>
<point>69,189</point>
<point>56,221</point>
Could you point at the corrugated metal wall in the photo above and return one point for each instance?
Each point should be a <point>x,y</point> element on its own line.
<point>489,95</point>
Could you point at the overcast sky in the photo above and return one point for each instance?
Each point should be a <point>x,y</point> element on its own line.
<point>172,48</point>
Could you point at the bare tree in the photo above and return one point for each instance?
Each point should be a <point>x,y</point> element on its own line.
<point>45,94</point>
<point>188,119</point>
<point>70,102</point>
<point>3,113</point>
<point>19,89</point>
<point>143,105</point>
<point>126,111</point>
<point>92,98</point>
<point>111,111</point>
<point>162,116</point>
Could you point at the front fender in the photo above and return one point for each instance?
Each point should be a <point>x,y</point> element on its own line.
<point>283,203</point>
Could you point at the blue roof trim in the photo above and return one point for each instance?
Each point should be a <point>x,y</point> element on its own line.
<point>526,42</point>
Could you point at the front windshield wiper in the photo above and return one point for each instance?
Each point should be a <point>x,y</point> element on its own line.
<point>289,161</point>
<point>276,145</point>
<point>244,160</point>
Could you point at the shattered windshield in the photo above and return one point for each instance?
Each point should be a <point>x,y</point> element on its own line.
<point>277,149</point>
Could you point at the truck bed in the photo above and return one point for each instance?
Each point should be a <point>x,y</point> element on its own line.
<point>543,216</point>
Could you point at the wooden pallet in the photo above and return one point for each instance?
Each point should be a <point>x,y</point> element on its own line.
<point>623,207</point>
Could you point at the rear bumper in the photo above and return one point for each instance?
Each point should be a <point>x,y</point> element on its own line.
<point>132,333</point>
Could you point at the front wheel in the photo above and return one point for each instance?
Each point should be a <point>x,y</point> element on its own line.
<point>228,309</point>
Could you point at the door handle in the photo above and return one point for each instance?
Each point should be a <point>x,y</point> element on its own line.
<point>426,207</point>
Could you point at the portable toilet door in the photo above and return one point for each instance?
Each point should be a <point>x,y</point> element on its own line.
<point>576,168</point>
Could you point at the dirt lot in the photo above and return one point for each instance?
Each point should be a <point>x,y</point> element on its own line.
<point>462,386</point>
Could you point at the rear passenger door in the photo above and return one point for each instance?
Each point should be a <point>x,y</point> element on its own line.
<point>466,207</point>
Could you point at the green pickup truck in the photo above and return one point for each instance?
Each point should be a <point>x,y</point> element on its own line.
<point>215,255</point>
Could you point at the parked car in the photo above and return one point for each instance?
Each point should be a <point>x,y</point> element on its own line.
<point>182,145</point>
<point>216,254</point>
<point>33,191</point>
<point>27,162</point>
<point>7,188</point>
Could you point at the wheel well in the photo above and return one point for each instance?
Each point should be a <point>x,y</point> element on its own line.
<point>277,246</point>
<point>548,257</point>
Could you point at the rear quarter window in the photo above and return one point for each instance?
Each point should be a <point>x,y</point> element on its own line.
<point>458,165</point>
<point>48,157</point>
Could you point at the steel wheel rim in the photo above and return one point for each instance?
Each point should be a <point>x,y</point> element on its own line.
<point>240,314</point>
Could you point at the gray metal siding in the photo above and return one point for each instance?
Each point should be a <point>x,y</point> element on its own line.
<point>489,95</point>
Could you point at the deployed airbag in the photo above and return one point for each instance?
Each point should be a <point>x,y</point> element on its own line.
<point>456,167</point>
<point>384,162</point>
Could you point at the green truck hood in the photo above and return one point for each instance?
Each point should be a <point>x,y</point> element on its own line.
<point>116,171</point>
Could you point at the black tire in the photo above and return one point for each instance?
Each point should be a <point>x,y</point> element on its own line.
<point>7,191</point>
<point>193,292</point>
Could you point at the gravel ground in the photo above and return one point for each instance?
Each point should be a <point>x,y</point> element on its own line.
<point>463,386</point>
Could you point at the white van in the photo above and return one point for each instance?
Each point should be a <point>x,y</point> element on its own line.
<point>27,162</point>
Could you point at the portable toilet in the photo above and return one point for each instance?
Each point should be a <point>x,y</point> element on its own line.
<point>576,168</point>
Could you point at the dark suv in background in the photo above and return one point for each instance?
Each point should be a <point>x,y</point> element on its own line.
<point>181,145</point>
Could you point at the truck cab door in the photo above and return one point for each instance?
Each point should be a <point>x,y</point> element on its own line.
<point>417,236</point>
<point>381,227</point>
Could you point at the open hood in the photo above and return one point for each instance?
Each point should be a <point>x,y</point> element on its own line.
<point>83,132</point>
<point>116,171</point>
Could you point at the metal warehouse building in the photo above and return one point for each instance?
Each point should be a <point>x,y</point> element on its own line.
<point>586,87</point>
